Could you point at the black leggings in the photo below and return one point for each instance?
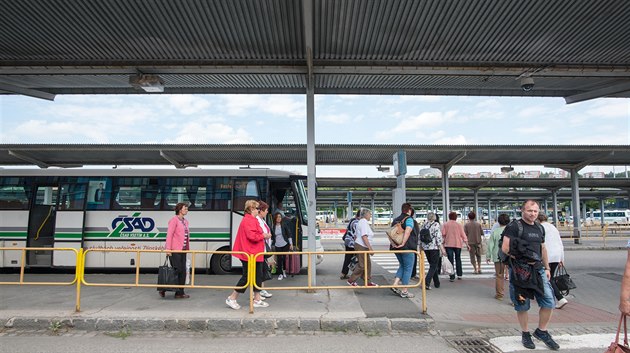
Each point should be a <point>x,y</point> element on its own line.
<point>281,258</point>
<point>243,281</point>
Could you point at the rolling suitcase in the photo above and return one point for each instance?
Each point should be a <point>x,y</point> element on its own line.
<point>292,264</point>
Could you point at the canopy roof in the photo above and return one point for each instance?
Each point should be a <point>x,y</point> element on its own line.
<point>574,49</point>
<point>71,155</point>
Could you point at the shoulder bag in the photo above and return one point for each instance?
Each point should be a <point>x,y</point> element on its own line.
<point>396,232</point>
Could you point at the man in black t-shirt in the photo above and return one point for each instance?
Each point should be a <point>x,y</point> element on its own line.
<point>532,250</point>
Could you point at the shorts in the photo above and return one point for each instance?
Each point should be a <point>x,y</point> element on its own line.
<point>545,301</point>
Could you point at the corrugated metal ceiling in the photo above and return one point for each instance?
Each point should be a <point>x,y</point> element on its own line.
<point>247,46</point>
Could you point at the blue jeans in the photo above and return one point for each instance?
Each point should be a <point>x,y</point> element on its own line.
<point>544,301</point>
<point>406,265</point>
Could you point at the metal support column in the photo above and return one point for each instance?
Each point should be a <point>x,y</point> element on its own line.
<point>554,201</point>
<point>372,208</point>
<point>310,136</point>
<point>476,196</point>
<point>575,207</point>
<point>445,194</point>
<point>601,209</point>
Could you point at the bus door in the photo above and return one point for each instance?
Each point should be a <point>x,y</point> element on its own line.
<point>41,225</point>
<point>69,223</point>
<point>284,201</point>
<point>243,189</point>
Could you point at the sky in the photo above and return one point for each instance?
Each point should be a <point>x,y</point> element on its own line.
<point>339,119</point>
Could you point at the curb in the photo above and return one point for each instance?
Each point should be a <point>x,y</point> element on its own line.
<point>365,325</point>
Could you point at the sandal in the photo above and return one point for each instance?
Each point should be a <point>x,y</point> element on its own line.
<point>395,290</point>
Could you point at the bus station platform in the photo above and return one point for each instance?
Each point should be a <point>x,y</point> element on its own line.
<point>463,307</point>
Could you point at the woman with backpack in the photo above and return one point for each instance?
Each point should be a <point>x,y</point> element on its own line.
<point>434,249</point>
<point>348,242</point>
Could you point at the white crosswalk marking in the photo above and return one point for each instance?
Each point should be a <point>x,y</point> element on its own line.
<point>390,264</point>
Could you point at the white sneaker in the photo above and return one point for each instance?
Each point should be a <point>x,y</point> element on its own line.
<point>232,304</point>
<point>280,277</point>
<point>561,303</point>
<point>264,293</point>
<point>260,304</point>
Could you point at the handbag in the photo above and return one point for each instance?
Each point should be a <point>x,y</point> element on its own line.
<point>266,271</point>
<point>563,281</point>
<point>616,347</point>
<point>167,275</point>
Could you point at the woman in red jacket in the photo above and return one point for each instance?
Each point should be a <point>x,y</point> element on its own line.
<point>178,238</point>
<point>251,240</point>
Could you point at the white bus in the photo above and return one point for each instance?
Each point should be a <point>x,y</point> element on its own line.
<point>130,209</point>
<point>382,218</point>
<point>610,217</point>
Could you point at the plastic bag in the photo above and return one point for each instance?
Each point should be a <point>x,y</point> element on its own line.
<point>188,264</point>
<point>447,266</point>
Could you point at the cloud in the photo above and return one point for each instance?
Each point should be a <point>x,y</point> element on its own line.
<point>188,104</point>
<point>610,108</point>
<point>211,133</point>
<point>538,129</point>
<point>334,118</point>
<point>417,124</point>
<point>533,112</point>
<point>277,105</point>
<point>451,140</point>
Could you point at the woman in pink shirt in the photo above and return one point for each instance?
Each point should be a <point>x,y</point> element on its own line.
<point>178,238</point>
<point>454,239</point>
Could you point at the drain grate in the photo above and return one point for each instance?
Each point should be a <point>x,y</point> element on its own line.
<point>472,345</point>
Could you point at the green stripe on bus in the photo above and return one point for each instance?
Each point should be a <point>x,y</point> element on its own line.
<point>160,236</point>
<point>13,235</point>
<point>68,235</point>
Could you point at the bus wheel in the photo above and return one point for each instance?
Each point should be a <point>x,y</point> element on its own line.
<point>221,264</point>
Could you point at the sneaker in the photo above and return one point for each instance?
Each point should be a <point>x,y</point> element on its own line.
<point>264,293</point>
<point>280,277</point>
<point>451,279</point>
<point>396,291</point>
<point>561,303</point>
<point>371,284</point>
<point>546,337</point>
<point>343,276</point>
<point>260,304</point>
<point>352,284</point>
<point>526,339</point>
<point>232,304</point>
<point>406,295</point>
<point>427,287</point>
<point>459,278</point>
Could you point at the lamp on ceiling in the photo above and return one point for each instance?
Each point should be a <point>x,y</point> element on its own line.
<point>507,169</point>
<point>149,83</point>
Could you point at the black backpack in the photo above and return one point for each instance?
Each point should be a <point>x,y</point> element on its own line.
<point>425,234</point>
<point>503,257</point>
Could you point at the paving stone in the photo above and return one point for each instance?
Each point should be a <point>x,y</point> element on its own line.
<point>309,325</point>
<point>110,324</point>
<point>29,323</point>
<point>84,324</point>
<point>411,325</point>
<point>339,325</point>
<point>287,324</point>
<point>260,325</point>
<point>380,325</point>
<point>223,325</point>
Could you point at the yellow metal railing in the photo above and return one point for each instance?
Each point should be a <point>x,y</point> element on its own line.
<point>310,287</point>
<point>75,280</point>
<point>81,255</point>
